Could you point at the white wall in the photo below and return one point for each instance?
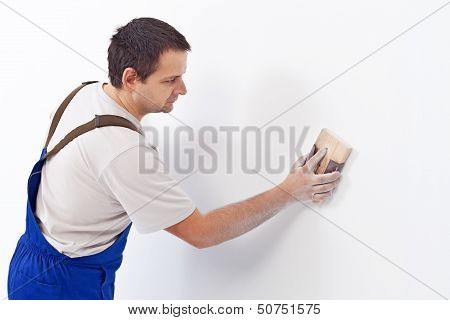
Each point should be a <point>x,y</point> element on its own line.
<point>384,235</point>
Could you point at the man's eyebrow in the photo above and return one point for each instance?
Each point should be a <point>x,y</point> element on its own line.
<point>168,77</point>
<point>174,76</point>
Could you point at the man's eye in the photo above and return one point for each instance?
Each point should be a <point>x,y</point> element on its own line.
<point>171,80</point>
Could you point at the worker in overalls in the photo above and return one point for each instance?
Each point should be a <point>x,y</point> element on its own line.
<point>88,186</point>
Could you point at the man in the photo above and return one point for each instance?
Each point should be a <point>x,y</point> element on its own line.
<point>86,190</point>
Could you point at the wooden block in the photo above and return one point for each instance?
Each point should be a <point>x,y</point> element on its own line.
<point>337,154</point>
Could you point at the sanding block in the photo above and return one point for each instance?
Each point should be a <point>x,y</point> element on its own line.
<point>337,153</point>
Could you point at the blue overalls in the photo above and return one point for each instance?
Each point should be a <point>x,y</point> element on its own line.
<point>37,270</point>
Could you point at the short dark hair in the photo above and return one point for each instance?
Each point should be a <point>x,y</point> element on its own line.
<point>138,45</point>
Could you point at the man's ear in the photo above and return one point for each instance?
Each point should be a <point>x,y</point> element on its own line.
<point>129,79</point>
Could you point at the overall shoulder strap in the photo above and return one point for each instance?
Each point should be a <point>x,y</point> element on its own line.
<point>98,122</point>
<point>61,110</point>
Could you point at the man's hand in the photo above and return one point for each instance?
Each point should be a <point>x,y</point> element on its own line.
<point>303,185</point>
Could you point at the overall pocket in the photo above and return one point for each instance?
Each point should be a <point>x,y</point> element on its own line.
<point>32,288</point>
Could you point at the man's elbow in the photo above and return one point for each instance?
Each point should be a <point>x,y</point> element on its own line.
<point>202,243</point>
<point>199,246</point>
<point>206,245</point>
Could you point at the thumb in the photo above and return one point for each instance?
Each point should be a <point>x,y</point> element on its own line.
<point>300,162</point>
<point>312,163</point>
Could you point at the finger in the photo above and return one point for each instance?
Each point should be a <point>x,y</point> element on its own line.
<point>312,163</point>
<point>321,188</point>
<point>326,177</point>
<point>318,197</point>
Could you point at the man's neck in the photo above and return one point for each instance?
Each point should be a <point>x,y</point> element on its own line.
<point>115,94</point>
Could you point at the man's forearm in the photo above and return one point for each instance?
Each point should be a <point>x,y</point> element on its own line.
<point>228,222</point>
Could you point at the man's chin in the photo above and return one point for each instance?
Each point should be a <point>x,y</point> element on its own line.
<point>167,108</point>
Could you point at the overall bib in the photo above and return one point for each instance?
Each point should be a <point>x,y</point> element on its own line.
<point>37,270</point>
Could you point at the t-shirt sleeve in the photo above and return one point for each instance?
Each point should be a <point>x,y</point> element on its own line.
<point>153,200</point>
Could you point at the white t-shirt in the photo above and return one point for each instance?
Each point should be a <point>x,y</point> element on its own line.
<point>102,180</point>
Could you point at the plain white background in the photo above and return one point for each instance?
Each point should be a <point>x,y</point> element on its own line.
<point>384,235</point>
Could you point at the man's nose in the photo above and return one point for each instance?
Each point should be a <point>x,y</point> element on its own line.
<point>181,88</point>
